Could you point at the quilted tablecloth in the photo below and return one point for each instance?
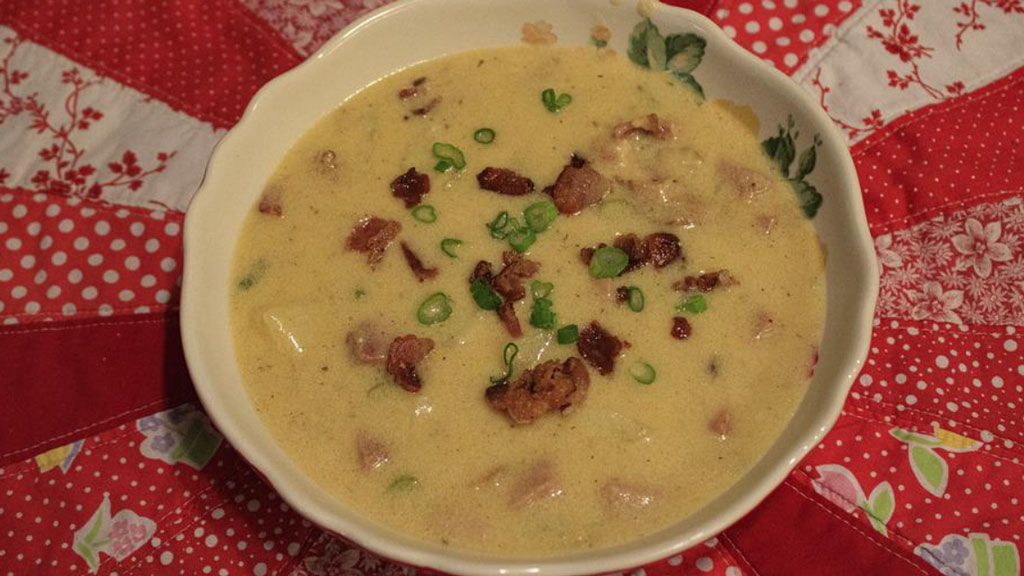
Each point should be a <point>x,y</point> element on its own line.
<point>109,110</point>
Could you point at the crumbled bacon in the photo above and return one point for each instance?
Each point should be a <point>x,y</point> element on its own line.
<point>681,328</point>
<point>372,236</point>
<point>705,282</point>
<point>509,282</point>
<point>270,202</point>
<point>507,314</point>
<point>599,347</point>
<point>721,424</point>
<point>660,249</point>
<point>425,109</point>
<point>422,272</point>
<point>372,451</point>
<point>482,270</point>
<point>550,386</point>
<point>367,343</point>
<point>621,294</point>
<point>651,125</point>
<point>504,181</point>
<point>410,187</point>
<point>412,90</point>
<point>404,354</point>
<point>578,186</point>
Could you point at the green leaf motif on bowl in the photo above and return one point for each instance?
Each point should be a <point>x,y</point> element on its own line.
<point>781,150</point>
<point>679,54</point>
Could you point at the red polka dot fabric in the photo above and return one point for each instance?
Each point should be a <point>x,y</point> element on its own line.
<point>110,473</point>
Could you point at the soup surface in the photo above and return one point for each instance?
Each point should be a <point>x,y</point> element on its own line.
<point>665,308</point>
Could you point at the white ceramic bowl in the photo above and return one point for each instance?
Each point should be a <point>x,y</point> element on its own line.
<point>411,31</point>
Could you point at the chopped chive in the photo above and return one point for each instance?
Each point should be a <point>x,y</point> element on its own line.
<point>499,226</point>
<point>608,262</point>
<point>425,213</point>
<point>448,246</point>
<point>598,42</point>
<point>360,293</point>
<point>446,151</point>
<point>484,135</point>
<point>555,103</point>
<point>484,296</point>
<point>403,483</point>
<point>635,299</point>
<point>256,271</point>
<point>436,308</point>
<point>568,334</point>
<point>540,215</point>
<point>643,373</point>
<point>509,355</point>
<point>541,314</point>
<point>540,289</point>
<point>695,304</point>
<point>443,166</point>
<point>521,238</point>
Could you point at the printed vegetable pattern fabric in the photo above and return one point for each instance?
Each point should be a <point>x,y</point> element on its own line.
<point>925,461</point>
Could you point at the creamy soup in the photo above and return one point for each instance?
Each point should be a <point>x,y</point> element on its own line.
<point>602,313</point>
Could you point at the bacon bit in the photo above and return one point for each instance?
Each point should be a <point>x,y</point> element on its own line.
<point>404,354</point>
<point>372,236</point>
<point>410,187</point>
<point>599,348</point>
<point>507,314</point>
<point>577,161</point>
<point>721,424</point>
<point>482,270</point>
<point>408,92</point>
<point>367,343</point>
<point>663,248</point>
<point>372,451</point>
<point>422,272</point>
<point>538,33</point>
<point>578,186</point>
<point>621,294</point>
<point>764,325</point>
<point>681,329</point>
<point>424,110</point>
<point>705,282</point>
<point>651,125</point>
<point>619,495</point>
<point>270,201</point>
<point>638,253</point>
<point>504,181</point>
<point>550,386</point>
<point>587,254</point>
<point>509,282</point>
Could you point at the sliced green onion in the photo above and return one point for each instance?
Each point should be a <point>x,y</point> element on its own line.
<point>425,213</point>
<point>403,483</point>
<point>484,135</point>
<point>484,296</point>
<point>509,354</point>
<point>445,151</point>
<point>360,293</point>
<point>443,166</point>
<point>542,316</point>
<point>256,271</point>
<point>555,103</point>
<point>635,299</point>
<point>695,304</point>
<point>643,373</point>
<point>499,226</point>
<point>436,308</point>
<point>521,238</point>
<point>608,262</point>
<point>539,216</point>
<point>540,289</point>
<point>568,334</point>
<point>448,246</point>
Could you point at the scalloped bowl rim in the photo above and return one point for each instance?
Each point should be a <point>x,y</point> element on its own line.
<point>202,334</point>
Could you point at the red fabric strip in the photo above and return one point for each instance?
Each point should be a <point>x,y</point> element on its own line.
<point>203,57</point>
<point>72,379</point>
<point>944,156</point>
<point>792,532</point>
